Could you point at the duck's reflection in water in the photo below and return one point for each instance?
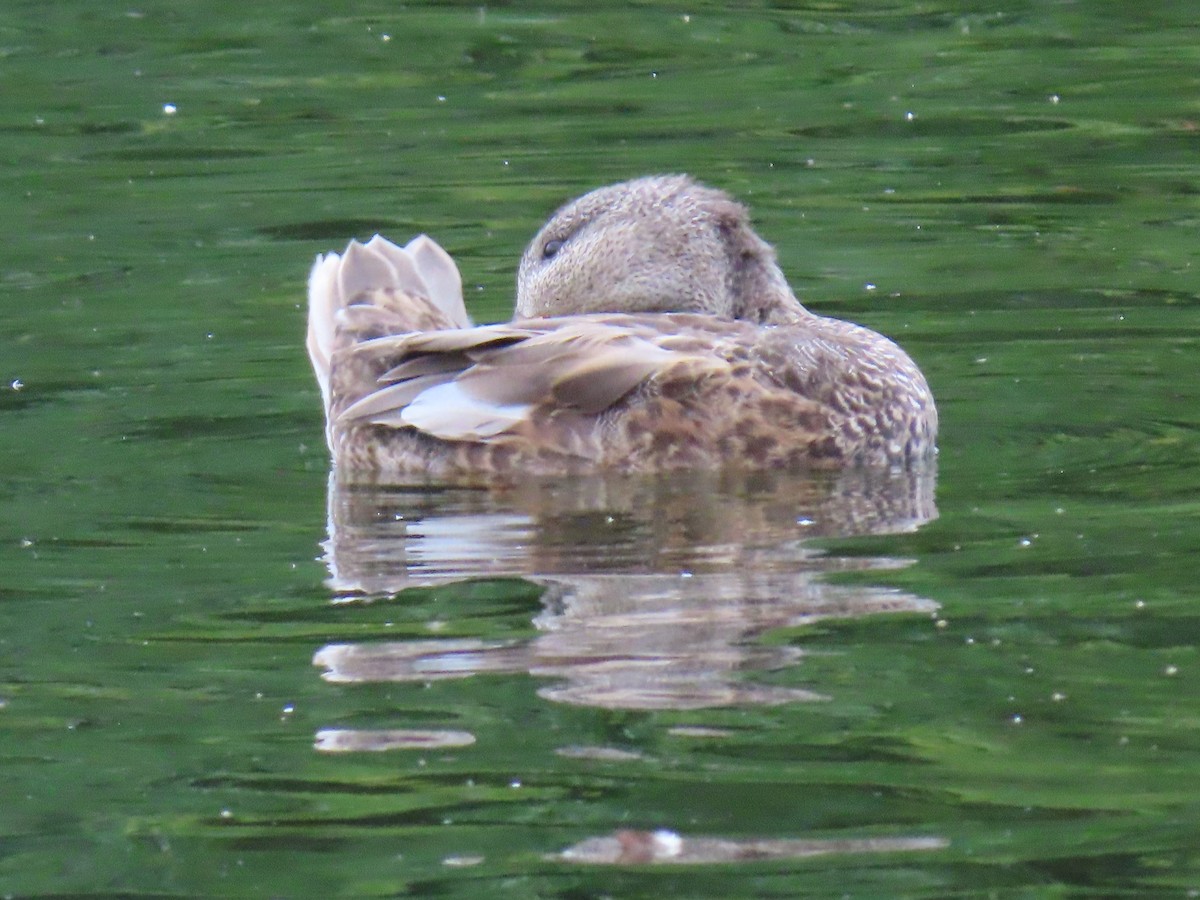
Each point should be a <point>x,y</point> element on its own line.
<point>655,589</point>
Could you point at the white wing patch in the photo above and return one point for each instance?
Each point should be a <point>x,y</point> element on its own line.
<point>477,384</point>
<point>451,413</point>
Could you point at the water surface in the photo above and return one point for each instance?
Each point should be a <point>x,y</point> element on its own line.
<point>1001,701</point>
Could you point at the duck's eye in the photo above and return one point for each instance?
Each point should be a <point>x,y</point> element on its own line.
<point>551,248</point>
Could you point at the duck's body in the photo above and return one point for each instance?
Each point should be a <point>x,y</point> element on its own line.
<point>654,332</point>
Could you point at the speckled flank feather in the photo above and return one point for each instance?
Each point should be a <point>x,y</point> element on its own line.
<point>641,367</point>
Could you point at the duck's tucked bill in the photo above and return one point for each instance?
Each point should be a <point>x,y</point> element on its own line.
<point>653,331</point>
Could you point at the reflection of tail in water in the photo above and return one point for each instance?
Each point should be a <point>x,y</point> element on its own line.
<point>652,647</point>
<point>383,539</point>
<point>656,589</point>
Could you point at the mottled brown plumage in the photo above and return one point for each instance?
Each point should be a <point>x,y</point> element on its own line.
<point>654,331</point>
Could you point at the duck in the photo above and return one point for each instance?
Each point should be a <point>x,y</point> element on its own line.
<point>653,331</point>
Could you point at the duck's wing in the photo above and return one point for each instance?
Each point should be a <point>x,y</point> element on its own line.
<point>482,384</point>
<point>379,288</point>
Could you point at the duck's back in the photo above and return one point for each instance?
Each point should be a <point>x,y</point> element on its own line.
<point>625,392</point>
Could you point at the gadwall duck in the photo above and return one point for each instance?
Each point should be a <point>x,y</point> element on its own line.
<point>653,331</point>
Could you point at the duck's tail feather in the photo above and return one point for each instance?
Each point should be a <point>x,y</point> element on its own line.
<point>396,290</point>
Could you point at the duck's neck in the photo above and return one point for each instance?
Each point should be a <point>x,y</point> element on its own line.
<point>761,292</point>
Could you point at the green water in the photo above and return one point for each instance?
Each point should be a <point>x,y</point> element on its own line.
<point>1008,189</point>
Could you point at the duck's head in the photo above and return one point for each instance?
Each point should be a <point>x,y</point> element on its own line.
<point>657,244</point>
